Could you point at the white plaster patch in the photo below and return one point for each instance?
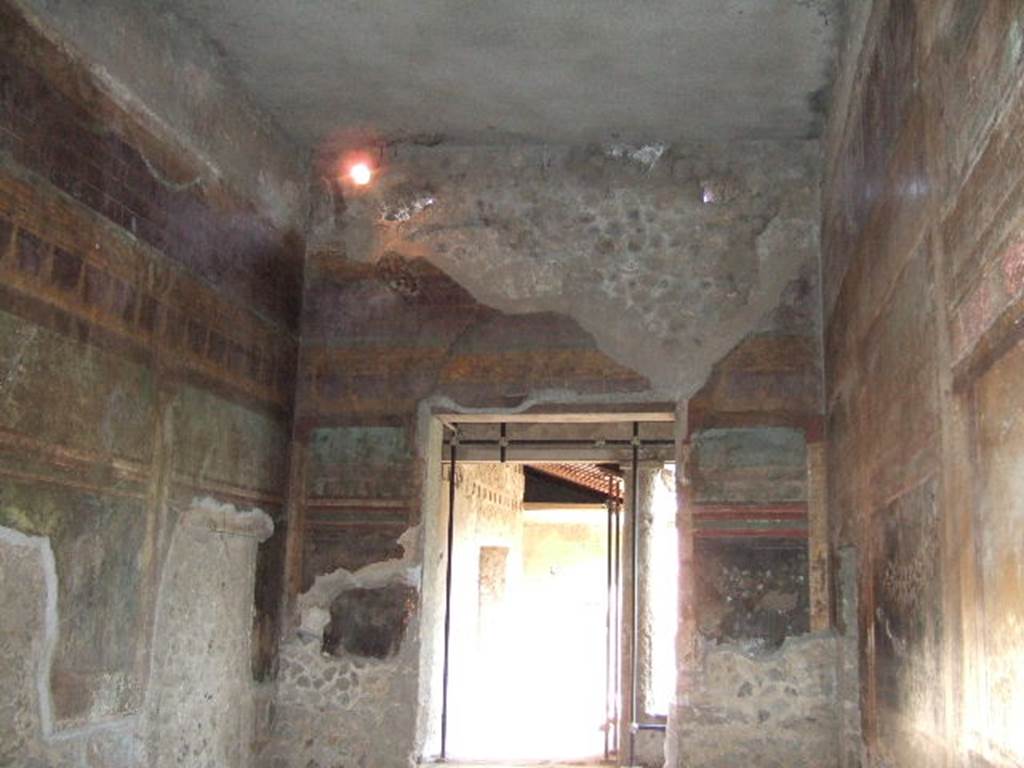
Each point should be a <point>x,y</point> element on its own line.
<point>48,565</point>
<point>314,619</point>
<point>212,515</point>
<point>645,155</point>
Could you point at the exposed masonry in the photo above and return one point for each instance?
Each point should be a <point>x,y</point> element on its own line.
<point>668,265</point>
<point>331,708</point>
<point>765,710</point>
<point>317,599</point>
<point>203,712</point>
<point>212,553</point>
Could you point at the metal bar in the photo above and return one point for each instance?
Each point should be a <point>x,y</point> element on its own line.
<point>617,666</point>
<point>609,595</point>
<point>503,443</point>
<point>551,443</point>
<point>453,457</point>
<point>634,678</point>
<point>634,656</point>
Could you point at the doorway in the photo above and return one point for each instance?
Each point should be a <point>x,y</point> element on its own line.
<point>533,661</point>
<point>528,625</point>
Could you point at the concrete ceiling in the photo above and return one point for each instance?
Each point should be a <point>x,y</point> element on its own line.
<point>559,71</point>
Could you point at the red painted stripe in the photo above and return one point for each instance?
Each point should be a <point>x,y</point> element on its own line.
<point>750,533</point>
<point>750,511</point>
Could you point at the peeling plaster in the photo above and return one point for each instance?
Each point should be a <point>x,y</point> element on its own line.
<point>315,602</point>
<point>665,284</point>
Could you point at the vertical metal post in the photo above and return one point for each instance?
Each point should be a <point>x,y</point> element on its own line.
<point>503,444</point>
<point>634,655</point>
<point>453,448</point>
<point>608,628</point>
<point>617,624</point>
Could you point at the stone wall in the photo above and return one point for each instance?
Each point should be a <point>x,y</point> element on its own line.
<point>774,709</point>
<point>922,266</point>
<point>746,583</point>
<point>357,702</point>
<point>501,278</point>
<point>329,711</point>
<point>199,703</point>
<point>759,689</point>
<point>148,362</point>
<point>851,743</point>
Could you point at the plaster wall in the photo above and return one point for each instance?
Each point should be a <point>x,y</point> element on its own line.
<point>849,732</point>
<point>150,318</point>
<point>760,688</point>
<point>138,377</point>
<point>749,489</point>
<point>572,73</point>
<point>923,299</point>
<point>27,637</point>
<point>166,73</point>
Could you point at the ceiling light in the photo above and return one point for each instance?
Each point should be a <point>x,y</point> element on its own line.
<point>360,174</point>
